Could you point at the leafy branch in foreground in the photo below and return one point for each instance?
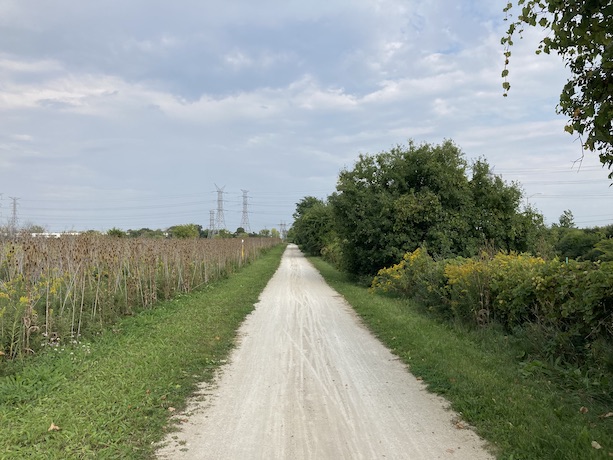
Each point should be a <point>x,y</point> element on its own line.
<point>582,33</point>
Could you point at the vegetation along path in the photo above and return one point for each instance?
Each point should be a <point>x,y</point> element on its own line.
<point>309,381</point>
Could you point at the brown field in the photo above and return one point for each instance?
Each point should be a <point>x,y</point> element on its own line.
<point>56,290</point>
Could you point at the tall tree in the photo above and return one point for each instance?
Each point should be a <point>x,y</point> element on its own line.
<point>395,201</point>
<point>416,195</point>
<point>581,31</point>
<point>567,220</point>
<point>312,228</point>
<point>496,218</point>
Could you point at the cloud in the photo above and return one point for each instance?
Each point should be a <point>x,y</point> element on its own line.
<point>140,101</point>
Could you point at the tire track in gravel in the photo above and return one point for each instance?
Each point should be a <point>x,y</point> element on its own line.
<point>309,381</point>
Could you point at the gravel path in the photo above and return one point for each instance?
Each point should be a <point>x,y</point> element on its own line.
<point>308,381</point>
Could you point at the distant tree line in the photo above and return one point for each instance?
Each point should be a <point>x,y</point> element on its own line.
<point>192,231</point>
<point>176,231</point>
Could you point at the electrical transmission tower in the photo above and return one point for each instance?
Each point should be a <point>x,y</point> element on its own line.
<point>221,220</point>
<point>14,220</point>
<point>283,230</point>
<point>245,218</point>
<point>212,224</point>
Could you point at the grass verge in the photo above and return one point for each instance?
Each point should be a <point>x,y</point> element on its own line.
<point>112,398</point>
<point>522,413</point>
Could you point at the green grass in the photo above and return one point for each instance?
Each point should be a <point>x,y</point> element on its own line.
<point>522,413</point>
<point>112,398</point>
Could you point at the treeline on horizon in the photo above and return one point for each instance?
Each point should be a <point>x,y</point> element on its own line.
<point>175,231</point>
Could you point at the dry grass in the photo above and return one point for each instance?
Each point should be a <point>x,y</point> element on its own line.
<point>57,290</point>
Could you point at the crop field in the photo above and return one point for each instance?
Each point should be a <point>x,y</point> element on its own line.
<point>54,291</point>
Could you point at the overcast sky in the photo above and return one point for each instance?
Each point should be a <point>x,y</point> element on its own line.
<point>129,113</point>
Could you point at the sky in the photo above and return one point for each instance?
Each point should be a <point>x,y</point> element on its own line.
<point>145,113</point>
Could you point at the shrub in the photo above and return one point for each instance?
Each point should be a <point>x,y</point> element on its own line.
<point>417,276</point>
<point>566,307</point>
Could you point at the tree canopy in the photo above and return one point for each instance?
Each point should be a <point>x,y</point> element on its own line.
<point>185,231</point>
<point>312,225</point>
<point>414,195</point>
<point>582,33</point>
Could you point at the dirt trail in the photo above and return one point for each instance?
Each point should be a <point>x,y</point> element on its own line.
<point>308,381</point>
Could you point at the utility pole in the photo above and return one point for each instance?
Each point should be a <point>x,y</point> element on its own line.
<point>14,220</point>
<point>245,218</point>
<point>283,230</point>
<point>221,220</point>
<point>212,224</point>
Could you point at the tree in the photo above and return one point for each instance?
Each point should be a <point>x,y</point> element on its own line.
<point>312,226</point>
<point>576,243</point>
<point>116,232</point>
<point>185,231</point>
<point>397,201</point>
<point>146,233</point>
<point>582,33</point>
<point>605,250</point>
<point>304,205</point>
<point>223,233</point>
<point>496,219</point>
<point>567,220</point>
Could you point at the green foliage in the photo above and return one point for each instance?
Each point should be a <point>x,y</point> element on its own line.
<point>605,249</point>
<point>568,241</point>
<point>567,220</point>
<point>582,33</point>
<point>223,233</point>
<point>417,276</point>
<point>397,201</point>
<point>185,231</point>
<point>304,205</point>
<point>241,233</point>
<point>312,229</point>
<point>570,303</point>
<point>494,216</point>
<point>116,232</point>
<point>577,243</point>
<point>146,233</point>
